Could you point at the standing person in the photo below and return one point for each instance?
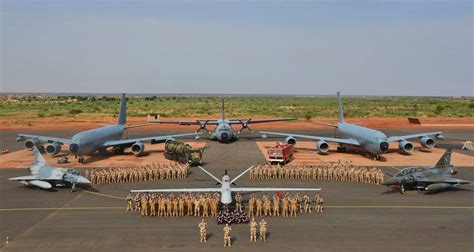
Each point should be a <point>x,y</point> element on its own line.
<point>263,230</point>
<point>129,203</point>
<point>253,230</point>
<point>203,230</point>
<point>319,204</point>
<point>238,202</point>
<point>227,232</point>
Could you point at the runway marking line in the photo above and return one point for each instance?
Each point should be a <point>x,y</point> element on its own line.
<point>335,206</point>
<point>104,195</point>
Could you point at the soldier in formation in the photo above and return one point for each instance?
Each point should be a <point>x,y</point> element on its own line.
<point>263,230</point>
<point>338,171</point>
<point>153,204</point>
<point>253,230</point>
<point>154,171</point>
<point>319,204</point>
<point>227,232</point>
<point>203,230</point>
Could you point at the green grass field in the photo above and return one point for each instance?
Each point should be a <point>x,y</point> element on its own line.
<point>296,107</point>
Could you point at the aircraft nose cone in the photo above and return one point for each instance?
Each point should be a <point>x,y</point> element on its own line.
<point>74,147</point>
<point>384,146</point>
<point>82,180</point>
<point>224,136</point>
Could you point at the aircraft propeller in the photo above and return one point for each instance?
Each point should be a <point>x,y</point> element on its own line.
<point>202,126</point>
<point>245,125</point>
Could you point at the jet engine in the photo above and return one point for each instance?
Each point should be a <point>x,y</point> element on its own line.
<point>30,143</point>
<point>138,148</point>
<point>290,140</point>
<point>322,146</point>
<point>53,148</point>
<point>427,142</point>
<point>406,146</point>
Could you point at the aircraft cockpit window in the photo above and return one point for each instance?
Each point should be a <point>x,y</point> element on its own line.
<point>73,171</point>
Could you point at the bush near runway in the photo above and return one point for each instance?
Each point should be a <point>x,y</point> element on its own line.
<point>196,106</point>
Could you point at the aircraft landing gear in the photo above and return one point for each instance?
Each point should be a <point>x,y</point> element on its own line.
<point>119,150</point>
<point>73,187</point>
<point>80,160</point>
<point>341,149</point>
<point>377,157</point>
<point>402,189</point>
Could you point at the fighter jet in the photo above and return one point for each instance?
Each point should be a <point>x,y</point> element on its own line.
<point>46,177</point>
<point>223,131</point>
<point>352,135</point>
<point>431,179</point>
<point>226,188</point>
<point>90,141</point>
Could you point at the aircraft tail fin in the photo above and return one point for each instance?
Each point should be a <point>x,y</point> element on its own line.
<point>38,160</point>
<point>340,110</point>
<point>222,108</point>
<point>122,118</point>
<point>445,160</point>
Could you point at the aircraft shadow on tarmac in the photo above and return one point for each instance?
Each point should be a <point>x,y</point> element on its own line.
<point>416,192</point>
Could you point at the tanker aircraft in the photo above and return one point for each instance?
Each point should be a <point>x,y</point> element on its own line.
<point>46,177</point>
<point>90,141</point>
<point>352,135</point>
<point>431,179</point>
<point>223,131</point>
<point>226,188</point>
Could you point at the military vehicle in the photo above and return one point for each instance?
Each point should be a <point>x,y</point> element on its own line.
<point>98,140</point>
<point>183,153</point>
<point>46,177</point>
<point>223,132</point>
<point>226,188</point>
<point>431,179</point>
<point>372,141</point>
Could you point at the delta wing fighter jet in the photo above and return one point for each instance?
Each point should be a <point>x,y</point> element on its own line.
<point>373,141</point>
<point>46,177</point>
<point>91,141</point>
<point>223,131</point>
<point>431,179</point>
<point>226,188</point>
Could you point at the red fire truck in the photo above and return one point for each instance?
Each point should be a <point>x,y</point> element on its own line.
<point>280,154</point>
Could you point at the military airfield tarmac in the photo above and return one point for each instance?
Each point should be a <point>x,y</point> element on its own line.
<point>358,217</point>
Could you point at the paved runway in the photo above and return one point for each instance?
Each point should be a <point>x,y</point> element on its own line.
<point>358,217</point>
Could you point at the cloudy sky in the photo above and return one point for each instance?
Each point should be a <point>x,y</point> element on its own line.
<point>259,47</point>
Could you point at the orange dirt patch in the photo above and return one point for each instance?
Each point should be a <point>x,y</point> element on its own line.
<point>306,153</point>
<point>80,123</point>
<point>153,153</point>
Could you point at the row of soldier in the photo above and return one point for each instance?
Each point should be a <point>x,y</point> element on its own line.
<point>208,205</point>
<point>153,171</point>
<point>287,205</point>
<point>172,206</point>
<point>263,225</point>
<point>339,171</point>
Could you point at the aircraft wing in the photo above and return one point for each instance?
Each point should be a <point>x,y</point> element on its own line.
<point>406,137</point>
<point>197,122</point>
<point>251,121</point>
<point>271,189</point>
<point>24,178</point>
<point>178,190</point>
<point>443,179</point>
<point>317,138</point>
<point>47,138</point>
<point>156,139</point>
